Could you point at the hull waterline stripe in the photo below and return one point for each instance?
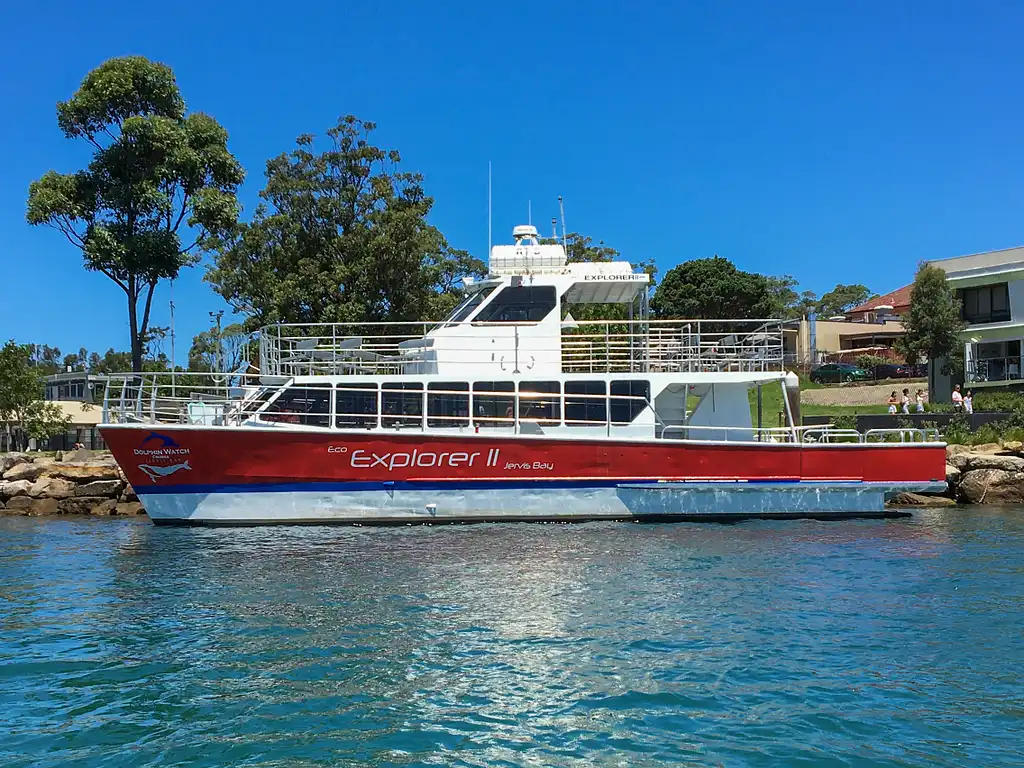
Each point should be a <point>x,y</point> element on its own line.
<point>462,485</point>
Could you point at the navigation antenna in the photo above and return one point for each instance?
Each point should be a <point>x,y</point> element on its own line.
<point>561,210</point>
<point>554,228</point>
<point>489,240</point>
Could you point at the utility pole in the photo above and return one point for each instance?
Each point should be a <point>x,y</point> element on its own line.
<point>220,344</point>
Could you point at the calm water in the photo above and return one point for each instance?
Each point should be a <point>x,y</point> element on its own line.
<point>871,643</point>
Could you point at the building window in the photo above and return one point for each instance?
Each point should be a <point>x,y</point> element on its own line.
<point>986,304</point>
<point>356,406</point>
<point>309,406</point>
<point>519,304</point>
<point>539,401</point>
<point>589,408</point>
<point>632,398</point>
<point>494,403</point>
<point>447,406</point>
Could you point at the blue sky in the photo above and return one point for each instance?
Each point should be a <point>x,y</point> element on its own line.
<point>837,142</point>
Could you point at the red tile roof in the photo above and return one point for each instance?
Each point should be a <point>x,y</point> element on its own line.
<point>900,298</point>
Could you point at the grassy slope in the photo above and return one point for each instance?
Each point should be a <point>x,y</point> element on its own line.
<point>771,405</point>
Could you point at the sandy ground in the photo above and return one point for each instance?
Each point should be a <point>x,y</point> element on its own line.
<point>873,394</point>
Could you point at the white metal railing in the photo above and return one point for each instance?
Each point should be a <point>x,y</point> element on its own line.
<point>640,346</point>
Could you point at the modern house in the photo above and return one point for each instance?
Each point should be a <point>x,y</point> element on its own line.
<point>991,288</point>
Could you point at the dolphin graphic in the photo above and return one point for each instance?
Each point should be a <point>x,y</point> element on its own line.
<point>154,472</point>
<point>164,440</point>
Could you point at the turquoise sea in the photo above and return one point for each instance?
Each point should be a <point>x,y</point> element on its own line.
<point>798,643</point>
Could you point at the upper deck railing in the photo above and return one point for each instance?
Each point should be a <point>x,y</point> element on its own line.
<point>615,346</point>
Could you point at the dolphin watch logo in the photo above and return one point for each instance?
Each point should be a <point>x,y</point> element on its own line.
<point>162,441</point>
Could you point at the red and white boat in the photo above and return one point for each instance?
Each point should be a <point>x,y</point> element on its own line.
<point>509,409</point>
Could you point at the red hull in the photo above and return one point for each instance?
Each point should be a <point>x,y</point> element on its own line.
<point>193,459</point>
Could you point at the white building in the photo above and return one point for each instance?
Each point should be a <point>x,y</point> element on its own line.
<point>991,288</point>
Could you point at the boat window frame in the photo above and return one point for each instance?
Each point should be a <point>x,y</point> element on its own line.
<point>452,392</point>
<point>306,418</point>
<point>635,403</point>
<point>589,401</point>
<point>364,419</point>
<point>407,396</point>
<point>493,396</point>
<point>555,402</point>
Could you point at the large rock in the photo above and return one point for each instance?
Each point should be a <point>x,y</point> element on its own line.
<point>25,505</point>
<point>128,494</point>
<point>25,471</point>
<point>84,473</point>
<point>80,505</point>
<point>113,487</point>
<point>1013,446</point>
<point>992,486</point>
<point>9,460</point>
<point>990,461</point>
<point>104,508</point>
<point>129,508</point>
<point>10,488</point>
<point>987,448</point>
<point>954,449</point>
<point>952,475</point>
<point>52,488</point>
<point>919,500</point>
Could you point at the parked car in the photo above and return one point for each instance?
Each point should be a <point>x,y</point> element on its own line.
<point>839,372</point>
<point>892,371</point>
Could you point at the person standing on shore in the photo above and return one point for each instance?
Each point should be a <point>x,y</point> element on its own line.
<point>893,402</point>
<point>905,401</point>
<point>969,402</point>
<point>958,399</point>
<point>919,397</point>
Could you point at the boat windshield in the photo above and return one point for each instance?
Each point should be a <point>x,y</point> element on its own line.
<point>468,306</point>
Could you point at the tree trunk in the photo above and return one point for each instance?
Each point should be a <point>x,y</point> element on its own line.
<point>133,329</point>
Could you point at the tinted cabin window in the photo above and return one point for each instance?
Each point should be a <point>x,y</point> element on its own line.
<point>401,404</point>
<point>519,304</point>
<point>309,406</point>
<point>447,406</point>
<point>986,304</point>
<point>494,403</point>
<point>631,401</point>
<point>581,411</point>
<point>469,305</point>
<point>545,408</point>
<point>355,405</point>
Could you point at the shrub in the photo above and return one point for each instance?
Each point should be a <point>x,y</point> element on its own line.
<point>999,402</point>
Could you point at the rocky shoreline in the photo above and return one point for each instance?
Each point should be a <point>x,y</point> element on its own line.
<point>73,483</point>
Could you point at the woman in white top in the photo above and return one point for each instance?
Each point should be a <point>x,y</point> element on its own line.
<point>957,398</point>
<point>969,402</point>
<point>905,401</point>
<point>920,400</point>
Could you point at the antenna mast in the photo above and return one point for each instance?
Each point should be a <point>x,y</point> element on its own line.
<point>554,228</point>
<point>489,240</point>
<point>561,210</point>
<point>172,338</point>
<point>529,212</point>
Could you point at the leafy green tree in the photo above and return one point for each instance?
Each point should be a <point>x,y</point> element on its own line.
<point>933,324</point>
<point>157,175</point>
<point>713,289</point>
<point>842,299</point>
<point>111,362</point>
<point>790,304</point>
<point>340,236</point>
<point>226,354</point>
<point>46,358</point>
<point>21,397</point>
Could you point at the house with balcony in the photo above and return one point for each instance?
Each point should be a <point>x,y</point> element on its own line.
<point>991,290</point>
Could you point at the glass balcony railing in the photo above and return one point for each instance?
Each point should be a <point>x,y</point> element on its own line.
<point>994,369</point>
